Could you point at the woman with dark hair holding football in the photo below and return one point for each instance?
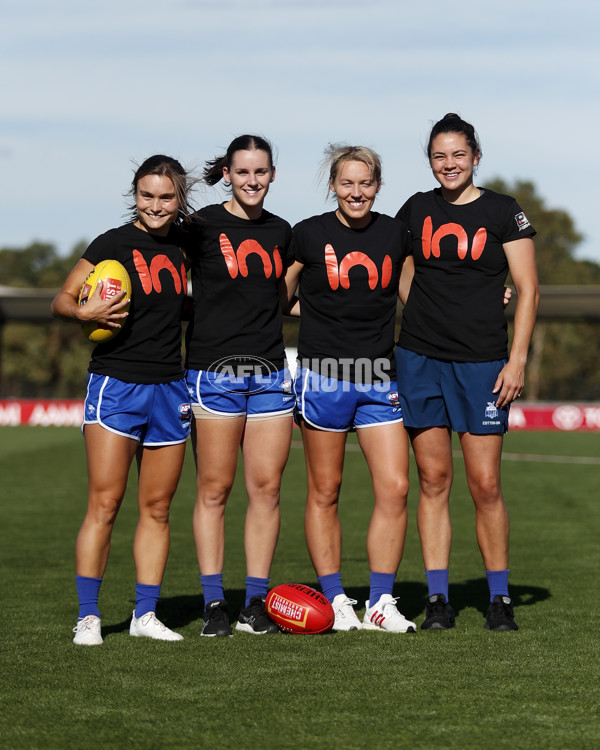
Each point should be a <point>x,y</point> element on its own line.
<point>348,263</point>
<point>136,402</point>
<point>454,370</point>
<point>239,385</point>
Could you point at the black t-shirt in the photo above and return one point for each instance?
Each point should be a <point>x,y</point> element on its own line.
<point>236,267</point>
<point>148,348</point>
<point>348,289</point>
<point>455,308</point>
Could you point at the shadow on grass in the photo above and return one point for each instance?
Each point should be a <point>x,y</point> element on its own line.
<point>470,593</point>
<point>475,593</point>
<point>179,611</point>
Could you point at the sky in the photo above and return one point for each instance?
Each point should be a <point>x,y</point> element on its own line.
<point>90,89</point>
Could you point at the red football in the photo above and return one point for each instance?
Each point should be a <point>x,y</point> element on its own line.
<point>297,608</point>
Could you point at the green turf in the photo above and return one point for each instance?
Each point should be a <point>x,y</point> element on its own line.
<point>466,688</point>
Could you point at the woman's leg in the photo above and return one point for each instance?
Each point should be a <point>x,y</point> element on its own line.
<point>324,455</point>
<point>216,444</point>
<point>109,458</point>
<point>386,450</point>
<point>482,454</point>
<point>159,472</point>
<point>265,447</point>
<point>433,453</point>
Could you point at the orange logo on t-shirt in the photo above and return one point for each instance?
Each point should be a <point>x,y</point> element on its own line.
<point>236,262</point>
<point>339,273</point>
<point>431,241</point>
<point>150,276</point>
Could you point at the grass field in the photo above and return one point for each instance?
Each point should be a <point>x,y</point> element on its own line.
<point>466,688</point>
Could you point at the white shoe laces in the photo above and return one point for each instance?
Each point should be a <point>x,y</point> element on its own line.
<point>88,623</point>
<point>346,608</point>
<point>151,620</point>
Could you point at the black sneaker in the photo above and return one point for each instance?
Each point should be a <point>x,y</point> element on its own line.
<point>254,618</point>
<point>216,619</point>
<point>439,614</point>
<point>499,615</point>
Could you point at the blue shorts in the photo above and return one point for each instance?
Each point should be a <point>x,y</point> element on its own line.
<point>258,395</point>
<point>434,393</point>
<point>154,415</point>
<point>340,405</point>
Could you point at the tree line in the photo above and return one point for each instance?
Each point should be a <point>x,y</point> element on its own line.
<point>49,360</point>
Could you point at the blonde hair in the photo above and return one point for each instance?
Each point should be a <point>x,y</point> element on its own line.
<point>337,154</point>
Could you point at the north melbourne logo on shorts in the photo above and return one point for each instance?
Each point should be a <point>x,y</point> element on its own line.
<point>522,221</point>
<point>491,410</point>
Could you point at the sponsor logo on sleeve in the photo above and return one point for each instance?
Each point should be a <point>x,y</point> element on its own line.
<point>522,221</point>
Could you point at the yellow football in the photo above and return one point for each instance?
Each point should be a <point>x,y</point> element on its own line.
<point>114,279</point>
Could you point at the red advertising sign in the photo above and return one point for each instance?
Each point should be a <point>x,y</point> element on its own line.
<point>67,413</point>
<point>523,416</point>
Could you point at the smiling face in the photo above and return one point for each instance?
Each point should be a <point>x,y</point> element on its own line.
<point>156,203</point>
<point>355,190</point>
<point>250,175</point>
<point>452,161</point>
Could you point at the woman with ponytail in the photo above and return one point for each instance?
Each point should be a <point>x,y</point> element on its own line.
<point>455,372</point>
<point>239,384</point>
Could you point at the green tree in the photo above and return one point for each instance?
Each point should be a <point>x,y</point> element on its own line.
<point>41,360</point>
<point>564,362</point>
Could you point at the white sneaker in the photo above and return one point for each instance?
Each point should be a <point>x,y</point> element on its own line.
<point>87,631</point>
<point>385,616</point>
<point>149,626</point>
<point>345,616</point>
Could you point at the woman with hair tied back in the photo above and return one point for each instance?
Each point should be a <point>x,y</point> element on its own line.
<point>136,404</point>
<point>454,369</point>
<point>348,264</point>
<point>238,381</point>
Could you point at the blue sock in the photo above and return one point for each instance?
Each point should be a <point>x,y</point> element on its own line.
<point>331,585</point>
<point>212,587</point>
<point>498,582</point>
<point>88,590</point>
<point>146,597</point>
<point>380,583</point>
<point>256,587</point>
<point>437,582</point>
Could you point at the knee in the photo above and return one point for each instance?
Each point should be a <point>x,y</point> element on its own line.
<point>435,482</point>
<point>103,508</point>
<point>486,492</point>
<point>324,495</point>
<point>212,495</point>
<point>264,493</point>
<point>401,489</point>
<point>156,510</point>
